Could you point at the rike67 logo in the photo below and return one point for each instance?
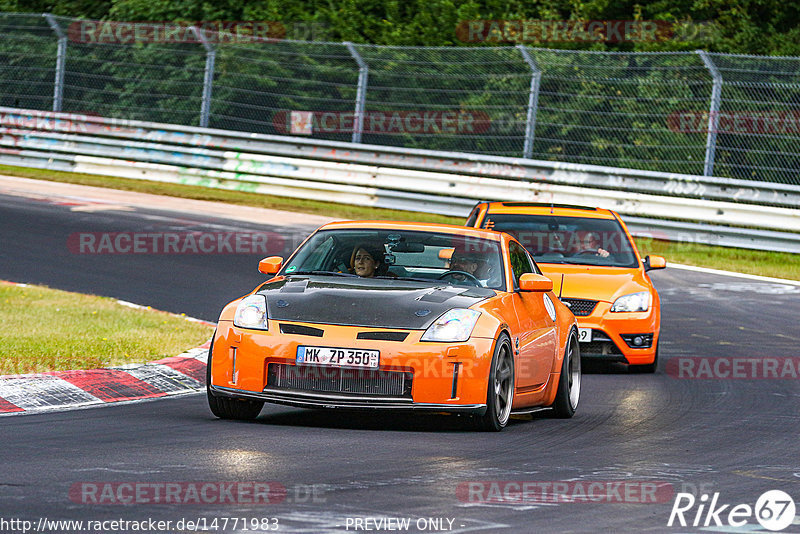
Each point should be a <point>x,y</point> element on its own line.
<point>774,510</point>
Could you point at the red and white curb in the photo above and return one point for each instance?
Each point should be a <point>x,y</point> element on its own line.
<point>66,390</point>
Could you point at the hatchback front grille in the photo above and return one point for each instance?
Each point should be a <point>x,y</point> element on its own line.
<point>580,307</point>
<point>339,380</point>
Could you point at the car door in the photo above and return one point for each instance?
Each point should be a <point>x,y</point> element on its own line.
<point>535,329</point>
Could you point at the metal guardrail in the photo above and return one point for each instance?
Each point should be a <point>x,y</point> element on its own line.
<point>690,208</point>
<point>707,234</point>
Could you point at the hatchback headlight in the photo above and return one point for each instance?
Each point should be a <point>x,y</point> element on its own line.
<point>252,313</point>
<point>453,326</point>
<point>634,302</point>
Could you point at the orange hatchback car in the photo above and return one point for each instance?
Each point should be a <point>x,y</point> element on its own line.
<point>597,271</point>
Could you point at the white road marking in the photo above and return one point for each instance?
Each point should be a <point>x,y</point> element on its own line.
<point>733,274</point>
<point>92,208</point>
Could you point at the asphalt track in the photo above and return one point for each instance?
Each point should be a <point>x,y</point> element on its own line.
<point>737,437</point>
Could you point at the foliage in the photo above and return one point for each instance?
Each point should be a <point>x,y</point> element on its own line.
<point>744,26</point>
<point>607,107</point>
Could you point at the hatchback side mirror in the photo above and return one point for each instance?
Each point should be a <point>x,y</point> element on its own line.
<point>654,262</point>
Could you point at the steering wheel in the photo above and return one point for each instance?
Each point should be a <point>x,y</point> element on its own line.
<point>586,251</point>
<point>465,274</point>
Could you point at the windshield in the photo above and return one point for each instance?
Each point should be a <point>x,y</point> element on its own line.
<point>403,255</point>
<point>572,240</point>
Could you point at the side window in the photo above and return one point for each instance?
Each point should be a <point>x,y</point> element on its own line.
<point>520,263</point>
<point>473,216</point>
<point>535,266</point>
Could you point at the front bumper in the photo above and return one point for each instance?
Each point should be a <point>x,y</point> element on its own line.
<point>311,400</point>
<point>444,377</point>
<point>607,331</point>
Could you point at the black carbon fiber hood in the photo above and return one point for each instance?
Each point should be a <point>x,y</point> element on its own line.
<point>364,301</point>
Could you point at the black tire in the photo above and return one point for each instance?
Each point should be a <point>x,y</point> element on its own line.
<point>500,390</point>
<point>647,368</point>
<point>569,381</point>
<point>227,408</point>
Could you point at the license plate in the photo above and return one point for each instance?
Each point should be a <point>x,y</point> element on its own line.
<point>584,335</point>
<point>337,357</point>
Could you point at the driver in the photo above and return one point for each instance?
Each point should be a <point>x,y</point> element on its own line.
<point>593,243</point>
<point>586,242</point>
<point>462,261</point>
<point>471,263</point>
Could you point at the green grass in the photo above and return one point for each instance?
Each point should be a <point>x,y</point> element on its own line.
<point>776,264</point>
<point>762,263</point>
<point>49,330</point>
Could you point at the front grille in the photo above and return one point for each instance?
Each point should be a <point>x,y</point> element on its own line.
<point>339,380</point>
<point>580,307</point>
<point>599,347</point>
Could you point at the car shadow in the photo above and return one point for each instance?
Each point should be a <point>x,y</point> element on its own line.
<point>596,367</point>
<point>397,422</point>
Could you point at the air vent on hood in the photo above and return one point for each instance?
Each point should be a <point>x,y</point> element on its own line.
<point>301,330</point>
<point>383,336</point>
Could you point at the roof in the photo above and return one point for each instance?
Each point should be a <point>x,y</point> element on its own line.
<point>543,208</point>
<point>414,226</point>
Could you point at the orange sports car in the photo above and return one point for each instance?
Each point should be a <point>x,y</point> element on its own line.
<point>589,254</point>
<point>399,316</point>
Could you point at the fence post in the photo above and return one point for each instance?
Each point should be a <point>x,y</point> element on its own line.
<point>61,59</point>
<point>361,92</point>
<point>713,113</point>
<point>208,76</point>
<point>533,102</point>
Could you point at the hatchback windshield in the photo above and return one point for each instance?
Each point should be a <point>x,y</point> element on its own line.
<point>403,255</point>
<point>574,240</point>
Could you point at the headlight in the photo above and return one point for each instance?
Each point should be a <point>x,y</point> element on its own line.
<point>634,302</point>
<point>252,313</point>
<point>454,325</point>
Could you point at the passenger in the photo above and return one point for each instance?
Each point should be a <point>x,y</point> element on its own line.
<point>367,260</point>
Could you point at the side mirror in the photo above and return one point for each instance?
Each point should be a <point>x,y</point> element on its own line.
<point>535,282</point>
<point>270,265</point>
<point>654,262</point>
<point>446,253</point>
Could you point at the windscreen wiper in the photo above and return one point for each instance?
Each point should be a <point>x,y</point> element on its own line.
<point>584,262</point>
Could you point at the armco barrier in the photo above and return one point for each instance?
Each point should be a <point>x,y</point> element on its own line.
<point>726,212</point>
